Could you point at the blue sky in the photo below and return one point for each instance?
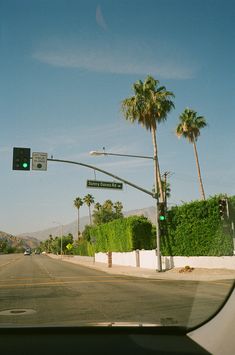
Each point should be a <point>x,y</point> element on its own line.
<point>66,65</point>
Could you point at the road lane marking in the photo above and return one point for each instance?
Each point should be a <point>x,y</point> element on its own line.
<point>76,278</point>
<point>63,283</point>
<point>57,283</point>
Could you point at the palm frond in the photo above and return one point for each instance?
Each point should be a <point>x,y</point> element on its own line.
<point>149,105</point>
<point>190,125</point>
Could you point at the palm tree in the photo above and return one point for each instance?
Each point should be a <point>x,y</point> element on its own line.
<point>89,200</point>
<point>166,189</point>
<point>78,202</point>
<point>189,127</point>
<point>118,206</point>
<point>149,106</point>
<point>97,206</point>
<point>108,204</point>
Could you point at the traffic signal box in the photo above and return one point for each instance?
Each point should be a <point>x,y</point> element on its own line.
<point>161,211</point>
<point>21,159</point>
<point>223,208</point>
<point>162,218</point>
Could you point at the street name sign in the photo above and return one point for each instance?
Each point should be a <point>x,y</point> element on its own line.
<point>39,161</point>
<point>104,184</point>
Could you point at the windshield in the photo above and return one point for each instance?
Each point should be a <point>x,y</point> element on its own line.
<point>117,194</point>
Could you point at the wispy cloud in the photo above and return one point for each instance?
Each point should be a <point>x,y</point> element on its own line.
<point>55,140</point>
<point>115,56</point>
<point>100,18</point>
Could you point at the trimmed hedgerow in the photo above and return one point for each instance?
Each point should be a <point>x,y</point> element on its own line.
<point>195,229</point>
<point>122,235</point>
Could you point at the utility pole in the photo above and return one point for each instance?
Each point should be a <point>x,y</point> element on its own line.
<point>166,174</point>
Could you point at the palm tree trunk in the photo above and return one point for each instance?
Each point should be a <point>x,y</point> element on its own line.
<point>78,224</point>
<point>198,171</point>
<point>157,175</point>
<point>89,207</point>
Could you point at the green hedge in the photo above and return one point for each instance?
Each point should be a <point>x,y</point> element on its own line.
<point>83,248</point>
<point>193,229</point>
<point>196,229</point>
<point>122,235</point>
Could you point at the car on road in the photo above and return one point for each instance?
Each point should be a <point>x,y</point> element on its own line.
<point>27,252</point>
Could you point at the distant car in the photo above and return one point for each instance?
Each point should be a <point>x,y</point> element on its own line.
<point>27,252</point>
<point>37,252</point>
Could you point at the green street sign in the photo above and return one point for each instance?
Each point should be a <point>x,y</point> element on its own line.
<point>104,184</point>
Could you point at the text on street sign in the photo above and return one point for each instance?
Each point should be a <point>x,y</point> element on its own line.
<point>104,184</point>
<point>39,161</point>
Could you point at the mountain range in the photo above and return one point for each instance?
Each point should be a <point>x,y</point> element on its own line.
<point>41,235</point>
<point>10,241</point>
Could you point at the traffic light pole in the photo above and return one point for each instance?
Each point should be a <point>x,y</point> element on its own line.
<point>104,172</point>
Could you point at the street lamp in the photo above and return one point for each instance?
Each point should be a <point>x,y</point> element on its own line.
<point>155,196</point>
<point>96,153</point>
<point>61,237</point>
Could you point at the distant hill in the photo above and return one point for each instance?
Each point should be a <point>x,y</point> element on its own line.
<point>72,227</point>
<point>8,241</point>
<point>149,212</point>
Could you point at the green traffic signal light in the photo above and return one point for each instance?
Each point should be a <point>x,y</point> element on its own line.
<point>161,211</point>
<point>21,158</point>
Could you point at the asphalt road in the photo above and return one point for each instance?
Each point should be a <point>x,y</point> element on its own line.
<point>39,291</point>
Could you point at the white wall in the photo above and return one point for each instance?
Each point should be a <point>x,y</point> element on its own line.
<point>148,259</point>
<point>210,262</point>
<point>101,257</point>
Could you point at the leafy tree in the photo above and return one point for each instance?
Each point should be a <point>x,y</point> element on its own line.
<point>86,234</point>
<point>118,209</point>
<point>66,240</point>
<point>78,202</point>
<point>97,206</point>
<point>107,212</point>
<point>89,200</point>
<point>189,127</point>
<point>149,106</point>
<point>53,245</point>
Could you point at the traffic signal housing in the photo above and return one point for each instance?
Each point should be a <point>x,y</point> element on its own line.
<point>223,208</point>
<point>21,159</point>
<point>161,211</point>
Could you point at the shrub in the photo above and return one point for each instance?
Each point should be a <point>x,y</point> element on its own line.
<point>195,229</point>
<point>122,235</point>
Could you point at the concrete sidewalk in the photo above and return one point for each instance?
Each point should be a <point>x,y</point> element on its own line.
<point>197,274</point>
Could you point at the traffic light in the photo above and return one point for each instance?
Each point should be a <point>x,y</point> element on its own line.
<point>161,211</point>
<point>222,208</point>
<point>21,159</point>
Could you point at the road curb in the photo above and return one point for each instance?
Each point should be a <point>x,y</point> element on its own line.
<point>196,274</point>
